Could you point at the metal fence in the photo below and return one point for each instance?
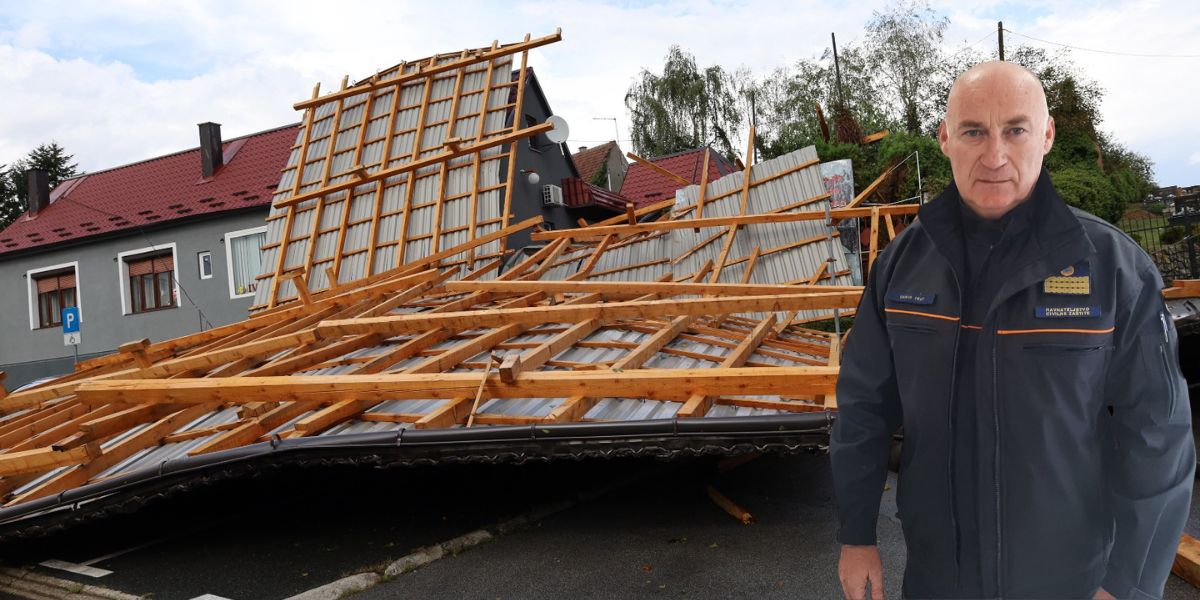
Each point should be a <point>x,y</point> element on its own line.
<point>1172,240</point>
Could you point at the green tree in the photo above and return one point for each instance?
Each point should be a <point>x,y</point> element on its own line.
<point>903,45</point>
<point>1086,186</point>
<point>686,107</point>
<point>14,190</point>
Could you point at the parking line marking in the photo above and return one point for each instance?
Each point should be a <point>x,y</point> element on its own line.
<point>77,569</point>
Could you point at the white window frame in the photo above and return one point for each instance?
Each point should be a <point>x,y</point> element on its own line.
<point>34,317</point>
<point>200,264</point>
<point>123,274</point>
<point>233,295</point>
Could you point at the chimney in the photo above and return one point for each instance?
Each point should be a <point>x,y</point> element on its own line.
<point>582,148</point>
<point>39,190</point>
<point>211,155</point>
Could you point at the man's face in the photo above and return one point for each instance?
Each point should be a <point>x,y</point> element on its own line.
<point>995,134</point>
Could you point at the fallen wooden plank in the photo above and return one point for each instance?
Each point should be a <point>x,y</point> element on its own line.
<point>838,213</point>
<point>394,325</point>
<point>658,384</point>
<point>1187,560</point>
<point>43,459</point>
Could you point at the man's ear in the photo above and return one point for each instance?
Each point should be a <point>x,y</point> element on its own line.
<point>944,137</point>
<point>1049,142</point>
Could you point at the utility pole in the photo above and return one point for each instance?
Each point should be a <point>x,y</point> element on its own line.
<point>837,70</point>
<point>1000,36</point>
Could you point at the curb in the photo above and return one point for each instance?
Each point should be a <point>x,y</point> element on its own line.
<point>339,588</point>
<point>25,583</point>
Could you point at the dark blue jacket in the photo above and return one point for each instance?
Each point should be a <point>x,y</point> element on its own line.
<point>1085,457</point>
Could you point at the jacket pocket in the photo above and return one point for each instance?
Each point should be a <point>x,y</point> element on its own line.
<point>1062,349</point>
<point>912,327</point>
<point>1167,374</point>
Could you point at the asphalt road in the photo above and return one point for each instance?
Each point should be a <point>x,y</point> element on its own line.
<point>659,535</point>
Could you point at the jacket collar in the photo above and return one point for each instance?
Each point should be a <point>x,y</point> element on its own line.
<point>1056,238</point>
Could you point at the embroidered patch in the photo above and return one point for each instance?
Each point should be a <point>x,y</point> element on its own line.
<point>1066,312</point>
<point>919,298</point>
<point>1068,286</point>
<point>1072,280</point>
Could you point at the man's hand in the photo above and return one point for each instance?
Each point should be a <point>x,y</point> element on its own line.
<point>1101,594</point>
<point>858,566</point>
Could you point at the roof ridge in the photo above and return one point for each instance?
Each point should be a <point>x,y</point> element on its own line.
<point>177,153</point>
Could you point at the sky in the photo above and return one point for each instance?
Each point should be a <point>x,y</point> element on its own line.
<point>119,81</point>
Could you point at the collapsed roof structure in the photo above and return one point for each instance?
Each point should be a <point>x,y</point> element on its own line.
<point>393,325</point>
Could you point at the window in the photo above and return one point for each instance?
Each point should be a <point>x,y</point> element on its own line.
<point>151,282</point>
<point>535,141</point>
<point>243,250</point>
<point>204,260</point>
<point>55,291</point>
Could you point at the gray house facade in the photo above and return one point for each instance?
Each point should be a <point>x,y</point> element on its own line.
<point>155,249</point>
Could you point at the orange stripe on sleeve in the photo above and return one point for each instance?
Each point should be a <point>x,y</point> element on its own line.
<point>1025,331</point>
<point>920,314</point>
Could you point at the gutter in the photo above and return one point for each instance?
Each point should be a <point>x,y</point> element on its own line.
<point>661,438</point>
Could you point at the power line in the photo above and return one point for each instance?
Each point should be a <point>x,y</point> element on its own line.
<point>178,283</point>
<point>1112,52</point>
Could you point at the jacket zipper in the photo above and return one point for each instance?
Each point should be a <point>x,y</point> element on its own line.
<point>996,466</point>
<point>950,452</point>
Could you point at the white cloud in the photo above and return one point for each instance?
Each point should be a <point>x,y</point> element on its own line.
<point>1194,159</point>
<point>116,82</point>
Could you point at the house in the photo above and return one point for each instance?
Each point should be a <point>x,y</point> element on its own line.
<point>602,166</point>
<point>646,185</point>
<point>154,249</point>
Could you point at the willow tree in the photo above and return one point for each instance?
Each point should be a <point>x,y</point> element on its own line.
<point>686,107</point>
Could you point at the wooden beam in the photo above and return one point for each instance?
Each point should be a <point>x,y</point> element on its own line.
<point>137,351</point>
<point>703,184</point>
<point>698,404</point>
<point>144,438</point>
<point>863,195</point>
<point>416,165</point>
<point>874,237</point>
<point>397,324</point>
<point>843,213</point>
<point>659,170</point>
<point>1187,560</point>
<point>430,71</point>
<point>44,459</point>
<point>635,288</point>
<point>638,356</point>
<point>639,213</point>
<point>658,384</point>
<point>875,137</point>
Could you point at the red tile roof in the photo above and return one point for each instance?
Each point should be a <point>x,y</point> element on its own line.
<point>644,186</point>
<point>156,191</point>
<point>588,161</point>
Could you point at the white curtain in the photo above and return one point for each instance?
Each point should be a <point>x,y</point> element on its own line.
<point>245,256</point>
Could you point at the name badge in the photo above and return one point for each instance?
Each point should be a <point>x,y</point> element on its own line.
<point>1066,312</point>
<point>918,298</point>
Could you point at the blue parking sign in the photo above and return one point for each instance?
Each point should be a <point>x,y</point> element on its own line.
<point>70,319</point>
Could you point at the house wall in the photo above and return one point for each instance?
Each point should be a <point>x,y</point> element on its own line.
<point>617,167</point>
<point>551,165</point>
<point>28,354</point>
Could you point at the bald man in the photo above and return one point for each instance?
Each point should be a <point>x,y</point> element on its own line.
<point>1025,349</point>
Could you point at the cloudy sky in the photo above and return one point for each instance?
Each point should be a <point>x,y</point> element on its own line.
<point>121,80</point>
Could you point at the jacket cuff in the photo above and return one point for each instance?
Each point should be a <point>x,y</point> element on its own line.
<point>1119,584</point>
<point>858,534</point>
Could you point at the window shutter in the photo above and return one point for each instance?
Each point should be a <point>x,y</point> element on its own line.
<point>154,264</point>
<point>141,267</point>
<point>62,281</point>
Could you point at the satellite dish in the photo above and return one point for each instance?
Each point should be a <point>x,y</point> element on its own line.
<point>559,134</point>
